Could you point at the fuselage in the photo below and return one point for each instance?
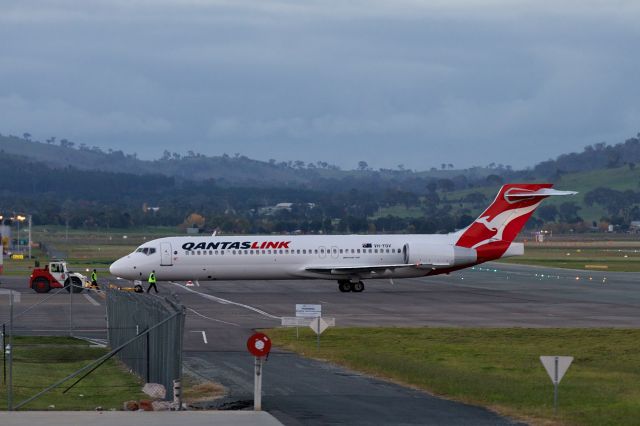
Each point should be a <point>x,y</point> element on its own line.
<point>281,257</point>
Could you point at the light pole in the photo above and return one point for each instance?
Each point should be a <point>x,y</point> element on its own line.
<point>22,218</point>
<point>30,222</point>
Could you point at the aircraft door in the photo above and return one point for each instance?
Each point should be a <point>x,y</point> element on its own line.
<point>334,252</point>
<point>165,254</point>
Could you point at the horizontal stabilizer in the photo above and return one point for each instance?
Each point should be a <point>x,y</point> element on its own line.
<point>542,192</point>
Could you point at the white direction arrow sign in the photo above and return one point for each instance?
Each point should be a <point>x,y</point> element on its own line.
<point>556,366</point>
<point>318,325</point>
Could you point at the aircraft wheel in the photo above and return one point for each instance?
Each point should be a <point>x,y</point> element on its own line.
<point>138,288</point>
<point>344,286</point>
<point>357,287</point>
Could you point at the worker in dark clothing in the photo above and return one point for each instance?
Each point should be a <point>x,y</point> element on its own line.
<point>94,279</point>
<point>152,282</point>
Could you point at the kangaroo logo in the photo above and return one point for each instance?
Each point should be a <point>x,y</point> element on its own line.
<point>499,223</point>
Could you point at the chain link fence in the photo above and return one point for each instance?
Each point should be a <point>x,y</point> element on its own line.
<point>156,356</point>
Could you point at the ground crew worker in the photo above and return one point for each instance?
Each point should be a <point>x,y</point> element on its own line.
<point>94,279</point>
<point>152,281</point>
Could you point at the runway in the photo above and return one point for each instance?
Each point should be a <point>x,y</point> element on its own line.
<point>221,315</point>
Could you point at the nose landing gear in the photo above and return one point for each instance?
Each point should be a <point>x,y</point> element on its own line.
<point>346,286</point>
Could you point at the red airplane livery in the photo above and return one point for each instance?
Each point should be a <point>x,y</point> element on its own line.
<point>347,259</point>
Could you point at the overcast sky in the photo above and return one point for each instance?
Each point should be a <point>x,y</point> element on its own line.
<point>391,82</point>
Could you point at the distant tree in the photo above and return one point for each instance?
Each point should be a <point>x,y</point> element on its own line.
<point>442,166</point>
<point>51,140</point>
<point>547,212</point>
<point>450,166</point>
<point>64,142</point>
<point>166,155</point>
<point>475,198</point>
<point>494,180</point>
<point>446,185</point>
<point>362,165</point>
<point>194,220</point>
<point>27,136</point>
<point>569,212</point>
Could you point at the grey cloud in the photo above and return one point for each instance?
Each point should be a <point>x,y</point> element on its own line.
<point>389,82</point>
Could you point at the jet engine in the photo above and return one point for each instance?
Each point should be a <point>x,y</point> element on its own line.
<point>429,255</point>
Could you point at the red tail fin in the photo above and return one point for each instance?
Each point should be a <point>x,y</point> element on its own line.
<point>495,229</point>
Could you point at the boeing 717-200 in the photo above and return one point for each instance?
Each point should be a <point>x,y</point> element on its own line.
<point>347,259</point>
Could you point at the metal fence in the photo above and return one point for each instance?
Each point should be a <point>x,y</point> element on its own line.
<point>156,356</point>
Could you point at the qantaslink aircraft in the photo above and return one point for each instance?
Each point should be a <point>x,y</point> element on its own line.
<point>348,259</point>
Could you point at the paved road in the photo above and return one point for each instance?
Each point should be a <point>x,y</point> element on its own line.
<point>300,391</point>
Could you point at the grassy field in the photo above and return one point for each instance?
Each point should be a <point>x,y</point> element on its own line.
<point>601,255</point>
<point>40,361</point>
<point>496,368</point>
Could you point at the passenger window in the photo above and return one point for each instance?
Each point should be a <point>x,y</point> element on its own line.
<point>221,252</point>
<point>286,252</point>
<point>281,252</point>
<point>233,252</point>
<point>340,251</point>
<point>216,252</point>
<point>316,251</point>
<point>358,250</point>
<point>298,251</point>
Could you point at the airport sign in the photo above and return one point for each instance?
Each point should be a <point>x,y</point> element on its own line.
<point>308,311</point>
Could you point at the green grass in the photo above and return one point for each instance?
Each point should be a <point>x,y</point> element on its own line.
<point>41,361</point>
<point>496,368</point>
<point>616,256</point>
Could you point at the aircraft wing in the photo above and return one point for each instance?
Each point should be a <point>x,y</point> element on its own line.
<point>355,269</point>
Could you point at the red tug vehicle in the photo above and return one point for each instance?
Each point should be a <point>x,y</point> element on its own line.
<point>56,275</point>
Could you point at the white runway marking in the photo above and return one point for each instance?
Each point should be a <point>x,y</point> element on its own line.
<point>91,299</point>
<point>228,302</point>
<point>212,319</point>
<point>204,335</point>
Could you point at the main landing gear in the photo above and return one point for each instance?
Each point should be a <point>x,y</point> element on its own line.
<point>346,286</point>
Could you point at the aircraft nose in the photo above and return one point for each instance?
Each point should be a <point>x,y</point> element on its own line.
<point>118,268</point>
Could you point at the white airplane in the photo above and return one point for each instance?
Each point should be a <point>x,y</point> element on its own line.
<point>349,259</point>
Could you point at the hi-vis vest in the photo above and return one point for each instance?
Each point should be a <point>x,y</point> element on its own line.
<point>152,278</point>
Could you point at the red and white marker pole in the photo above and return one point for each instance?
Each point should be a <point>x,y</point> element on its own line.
<point>259,346</point>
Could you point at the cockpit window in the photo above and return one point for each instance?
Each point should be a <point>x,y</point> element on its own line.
<point>146,250</point>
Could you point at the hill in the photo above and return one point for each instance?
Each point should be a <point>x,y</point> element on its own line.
<point>233,171</point>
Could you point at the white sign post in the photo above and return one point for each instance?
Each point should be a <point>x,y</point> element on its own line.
<point>556,367</point>
<point>318,325</point>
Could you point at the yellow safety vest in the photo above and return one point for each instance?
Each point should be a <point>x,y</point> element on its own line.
<point>152,278</point>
